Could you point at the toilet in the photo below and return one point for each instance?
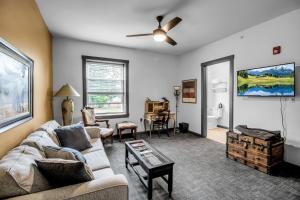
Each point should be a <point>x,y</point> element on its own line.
<point>214,114</point>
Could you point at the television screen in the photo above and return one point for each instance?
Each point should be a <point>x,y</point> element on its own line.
<point>278,80</point>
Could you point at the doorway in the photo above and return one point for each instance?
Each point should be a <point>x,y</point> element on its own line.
<point>217,98</point>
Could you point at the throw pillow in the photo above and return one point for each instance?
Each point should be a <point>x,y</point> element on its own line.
<point>73,136</point>
<point>38,139</point>
<point>63,153</point>
<point>49,128</point>
<point>60,172</point>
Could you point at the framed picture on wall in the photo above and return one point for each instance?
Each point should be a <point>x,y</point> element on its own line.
<point>189,91</point>
<point>16,87</point>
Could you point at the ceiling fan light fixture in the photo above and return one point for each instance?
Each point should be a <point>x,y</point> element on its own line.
<point>159,35</point>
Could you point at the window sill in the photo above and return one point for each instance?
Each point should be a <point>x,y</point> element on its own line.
<point>111,116</point>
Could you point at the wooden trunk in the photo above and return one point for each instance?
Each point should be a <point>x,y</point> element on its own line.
<point>254,152</point>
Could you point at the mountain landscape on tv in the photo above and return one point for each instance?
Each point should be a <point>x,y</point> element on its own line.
<point>268,81</point>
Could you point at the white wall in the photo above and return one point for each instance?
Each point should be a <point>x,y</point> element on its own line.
<point>252,48</point>
<point>219,72</point>
<point>150,74</point>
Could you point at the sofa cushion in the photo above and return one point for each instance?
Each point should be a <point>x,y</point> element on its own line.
<point>49,128</point>
<point>63,153</point>
<point>103,173</point>
<point>97,159</point>
<point>96,145</point>
<point>62,172</point>
<point>19,174</point>
<point>38,139</point>
<point>73,136</point>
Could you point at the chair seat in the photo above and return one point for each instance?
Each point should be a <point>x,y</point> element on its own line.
<point>125,125</point>
<point>158,122</point>
<point>106,132</point>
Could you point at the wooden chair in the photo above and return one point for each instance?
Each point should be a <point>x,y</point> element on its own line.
<point>162,123</point>
<point>89,119</point>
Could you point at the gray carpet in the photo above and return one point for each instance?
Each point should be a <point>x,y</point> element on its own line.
<point>202,171</point>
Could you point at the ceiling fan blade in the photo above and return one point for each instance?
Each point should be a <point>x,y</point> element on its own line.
<point>138,35</point>
<point>171,24</point>
<point>170,41</point>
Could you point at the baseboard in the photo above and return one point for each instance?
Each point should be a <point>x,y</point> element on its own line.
<point>196,134</point>
<point>221,126</point>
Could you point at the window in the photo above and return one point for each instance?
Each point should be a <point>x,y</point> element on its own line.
<point>105,86</point>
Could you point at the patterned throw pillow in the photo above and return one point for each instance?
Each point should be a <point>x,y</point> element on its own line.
<point>38,139</point>
<point>49,128</point>
<point>63,153</point>
<point>60,172</point>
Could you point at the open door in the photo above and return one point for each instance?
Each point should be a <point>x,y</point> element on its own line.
<point>212,87</point>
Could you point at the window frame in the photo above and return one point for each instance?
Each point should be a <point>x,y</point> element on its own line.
<point>84,81</point>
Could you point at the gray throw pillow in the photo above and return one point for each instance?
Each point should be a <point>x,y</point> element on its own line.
<point>63,153</point>
<point>73,136</point>
<point>60,172</point>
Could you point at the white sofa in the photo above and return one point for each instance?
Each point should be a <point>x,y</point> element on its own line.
<point>106,186</point>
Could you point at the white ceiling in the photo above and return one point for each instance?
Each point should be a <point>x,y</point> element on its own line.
<point>204,21</point>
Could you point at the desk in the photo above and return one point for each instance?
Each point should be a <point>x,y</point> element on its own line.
<point>150,117</point>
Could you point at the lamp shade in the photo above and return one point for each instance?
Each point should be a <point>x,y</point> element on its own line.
<point>66,91</point>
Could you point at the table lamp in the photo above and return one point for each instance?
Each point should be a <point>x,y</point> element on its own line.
<point>67,106</point>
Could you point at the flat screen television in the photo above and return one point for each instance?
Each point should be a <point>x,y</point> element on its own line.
<point>272,81</point>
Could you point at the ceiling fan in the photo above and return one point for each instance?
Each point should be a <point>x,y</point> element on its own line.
<point>160,34</point>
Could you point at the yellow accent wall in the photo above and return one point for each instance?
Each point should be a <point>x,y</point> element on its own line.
<point>22,25</point>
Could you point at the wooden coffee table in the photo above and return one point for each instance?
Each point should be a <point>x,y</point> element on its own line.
<point>153,164</point>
